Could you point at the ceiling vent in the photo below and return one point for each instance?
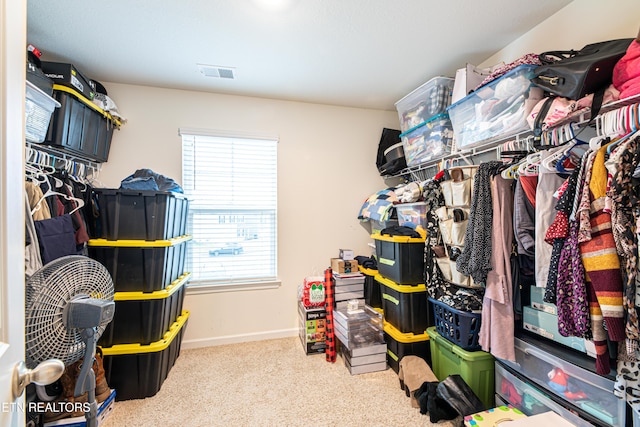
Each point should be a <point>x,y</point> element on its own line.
<point>216,71</point>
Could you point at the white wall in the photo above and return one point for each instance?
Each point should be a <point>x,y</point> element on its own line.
<point>326,168</point>
<point>579,23</point>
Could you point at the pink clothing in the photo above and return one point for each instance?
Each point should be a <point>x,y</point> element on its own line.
<point>626,73</point>
<point>497,326</point>
<point>563,109</point>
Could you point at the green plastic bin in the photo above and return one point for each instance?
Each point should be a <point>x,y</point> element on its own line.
<point>475,367</point>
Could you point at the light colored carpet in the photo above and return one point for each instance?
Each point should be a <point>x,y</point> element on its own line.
<point>269,383</point>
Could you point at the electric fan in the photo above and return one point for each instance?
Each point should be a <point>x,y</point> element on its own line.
<point>69,303</point>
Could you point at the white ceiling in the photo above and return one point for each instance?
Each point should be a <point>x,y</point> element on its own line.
<point>359,53</point>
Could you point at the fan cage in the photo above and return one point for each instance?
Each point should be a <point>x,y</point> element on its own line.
<point>47,293</point>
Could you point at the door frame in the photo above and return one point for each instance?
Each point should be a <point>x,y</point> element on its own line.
<point>13,33</point>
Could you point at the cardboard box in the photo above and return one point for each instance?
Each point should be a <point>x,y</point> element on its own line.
<point>339,265</point>
<point>546,325</point>
<point>68,75</point>
<point>312,329</point>
<point>537,301</point>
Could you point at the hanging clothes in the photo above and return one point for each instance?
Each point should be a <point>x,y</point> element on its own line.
<point>437,288</point>
<point>625,208</point>
<point>56,238</point>
<point>475,260</point>
<point>37,205</point>
<point>524,223</point>
<point>602,266</point>
<point>548,182</point>
<point>32,259</point>
<point>558,231</point>
<point>599,254</point>
<point>572,295</point>
<point>566,285</point>
<point>624,216</point>
<point>497,325</point>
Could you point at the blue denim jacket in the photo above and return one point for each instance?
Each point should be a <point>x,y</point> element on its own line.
<point>146,179</point>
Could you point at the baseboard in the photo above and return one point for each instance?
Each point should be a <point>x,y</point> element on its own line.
<point>234,339</point>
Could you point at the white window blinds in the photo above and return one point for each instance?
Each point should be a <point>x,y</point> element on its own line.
<point>232,185</point>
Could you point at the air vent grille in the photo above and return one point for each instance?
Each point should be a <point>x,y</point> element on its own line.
<point>216,71</point>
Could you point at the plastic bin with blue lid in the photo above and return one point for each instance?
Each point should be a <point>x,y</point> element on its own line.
<point>429,140</point>
<point>497,109</point>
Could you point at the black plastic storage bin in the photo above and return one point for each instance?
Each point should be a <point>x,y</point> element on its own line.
<point>137,371</point>
<point>67,75</point>
<point>400,345</point>
<point>141,215</point>
<point>80,126</point>
<point>405,307</point>
<point>372,294</point>
<point>400,258</point>
<point>141,266</point>
<point>144,317</point>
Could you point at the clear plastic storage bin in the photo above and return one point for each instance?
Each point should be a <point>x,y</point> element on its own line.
<point>429,140</point>
<point>412,214</point>
<point>498,108</point>
<point>38,109</point>
<point>588,391</point>
<point>430,99</point>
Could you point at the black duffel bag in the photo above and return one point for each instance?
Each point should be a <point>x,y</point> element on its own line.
<point>574,74</point>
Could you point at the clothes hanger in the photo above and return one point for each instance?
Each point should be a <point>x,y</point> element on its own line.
<point>576,148</point>
<point>76,172</point>
<point>627,124</point>
<point>618,125</point>
<point>34,174</point>
<point>530,165</point>
<point>550,161</point>
<point>50,192</point>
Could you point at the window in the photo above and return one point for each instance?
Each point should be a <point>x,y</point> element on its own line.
<point>232,186</point>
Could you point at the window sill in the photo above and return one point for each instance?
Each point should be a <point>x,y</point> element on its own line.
<point>204,288</point>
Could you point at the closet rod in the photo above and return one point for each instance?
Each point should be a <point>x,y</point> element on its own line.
<point>64,156</point>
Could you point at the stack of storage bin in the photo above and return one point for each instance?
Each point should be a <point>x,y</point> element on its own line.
<point>359,331</point>
<point>372,288</point>
<point>404,297</point>
<point>426,129</point>
<point>142,243</point>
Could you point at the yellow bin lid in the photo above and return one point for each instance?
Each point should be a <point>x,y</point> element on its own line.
<point>400,288</point>
<point>398,239</point>
<point>367,271</point>
<point>154,347</point>
<point>402,337</point>
<point>87,102</point>
<point>161,294</point>
<point>140,243</point>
